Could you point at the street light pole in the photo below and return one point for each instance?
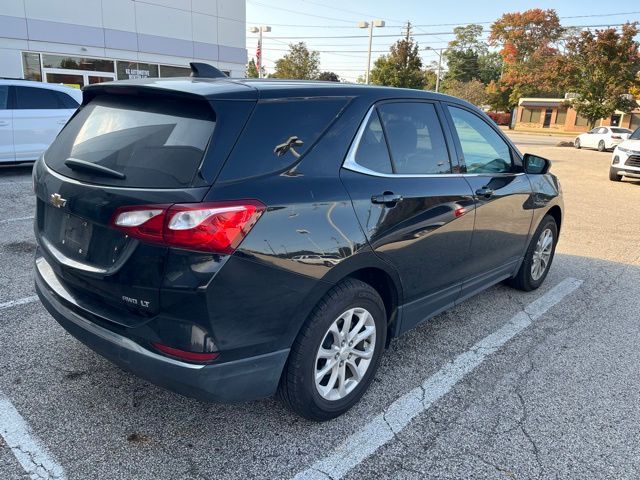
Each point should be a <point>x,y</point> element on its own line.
<point>438,51</point>
<point>370,26</point>
<point>259,30</point>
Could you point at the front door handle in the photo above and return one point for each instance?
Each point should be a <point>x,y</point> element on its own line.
<point>3,123</point>
<point>388,199</point>
<point>485,192</point>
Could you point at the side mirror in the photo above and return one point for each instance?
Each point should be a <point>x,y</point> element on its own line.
<point>536,165</point>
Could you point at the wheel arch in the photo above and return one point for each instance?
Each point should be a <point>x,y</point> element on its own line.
<point>556,213</point>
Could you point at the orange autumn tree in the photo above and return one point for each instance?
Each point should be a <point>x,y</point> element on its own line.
<point>530,52</point>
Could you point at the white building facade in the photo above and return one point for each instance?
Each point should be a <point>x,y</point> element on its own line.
<point>92,41</point>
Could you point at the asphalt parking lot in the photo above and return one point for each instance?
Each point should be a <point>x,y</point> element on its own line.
<point>508,385</point>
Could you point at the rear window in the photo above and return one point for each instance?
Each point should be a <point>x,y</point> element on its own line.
<point>153,144</point>
<point>620,130</point>
<point>279,133</point>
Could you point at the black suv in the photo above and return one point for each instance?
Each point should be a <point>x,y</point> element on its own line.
<point>230,239</point>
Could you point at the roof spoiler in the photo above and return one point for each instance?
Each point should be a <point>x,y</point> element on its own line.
<point>204,70</point>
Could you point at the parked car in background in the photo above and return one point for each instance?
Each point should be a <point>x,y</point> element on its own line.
<point>171,214</point>
<point>602,138</point>
<point>31,115</point>
<point>625,161</point>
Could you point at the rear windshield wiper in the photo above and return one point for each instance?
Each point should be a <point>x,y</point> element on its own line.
<point>77,164</point>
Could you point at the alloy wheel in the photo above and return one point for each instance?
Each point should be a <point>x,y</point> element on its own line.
<point>345,354</point>
<point>542,254</point>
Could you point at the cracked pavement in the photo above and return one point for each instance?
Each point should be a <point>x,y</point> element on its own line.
<point>560,400</point>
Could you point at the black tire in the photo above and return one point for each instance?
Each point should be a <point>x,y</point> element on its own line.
<point>523,280</point>
<point>576,143</point>
<point>613,175</point>
<point>601,146</point>
<point>297,387</point>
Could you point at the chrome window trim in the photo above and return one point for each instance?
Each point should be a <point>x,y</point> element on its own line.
<point>351,164</point>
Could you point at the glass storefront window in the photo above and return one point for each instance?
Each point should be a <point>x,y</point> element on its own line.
<point>77,63</point>
<point>170,71</point>
<point>135,70</point>
<point>31,66</point>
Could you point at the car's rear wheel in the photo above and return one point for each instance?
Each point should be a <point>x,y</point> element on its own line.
<point>613,175</point>
<point>601,146</point>
<point>538,257</point>
<point>335,356</point>
<point>576,143</point>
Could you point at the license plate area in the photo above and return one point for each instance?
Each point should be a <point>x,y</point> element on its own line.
<point>75,235</point>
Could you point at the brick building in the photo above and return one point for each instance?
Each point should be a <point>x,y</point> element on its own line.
<point>553,114</point>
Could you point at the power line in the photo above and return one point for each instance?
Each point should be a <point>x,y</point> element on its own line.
<point>418,34</point>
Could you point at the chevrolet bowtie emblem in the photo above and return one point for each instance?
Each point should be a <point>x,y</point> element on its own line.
<point>57,201</point>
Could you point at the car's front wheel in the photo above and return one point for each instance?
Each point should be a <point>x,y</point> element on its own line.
<point>538,257</point>
<point>336,354</point>
<point>613,175</point>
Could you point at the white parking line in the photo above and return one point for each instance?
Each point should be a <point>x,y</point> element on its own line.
<point>27,449</point>
<point>18,219</point>
<point>20,301</point>
<point>382,428</point>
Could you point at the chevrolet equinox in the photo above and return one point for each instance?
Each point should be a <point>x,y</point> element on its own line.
<point>230,239</point>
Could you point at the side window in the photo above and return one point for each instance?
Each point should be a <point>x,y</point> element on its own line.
<point>66,101</point>
<point>603,130</point>
<point>372,150</point>
<point>4,97</point>
<point>483,149</point>
<point>415,138</point>
<point>29,98</point>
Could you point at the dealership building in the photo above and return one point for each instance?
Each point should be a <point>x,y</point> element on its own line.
<point>92,41</point>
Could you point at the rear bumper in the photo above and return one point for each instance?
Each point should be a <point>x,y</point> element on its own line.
<point>236,381</point>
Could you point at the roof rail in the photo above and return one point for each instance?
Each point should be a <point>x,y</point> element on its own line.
<point>204,70</point>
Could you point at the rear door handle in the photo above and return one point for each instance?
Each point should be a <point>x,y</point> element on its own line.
<point>485,192</point>
<point>389,199</point>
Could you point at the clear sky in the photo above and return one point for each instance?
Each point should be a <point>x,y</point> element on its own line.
<point>433,22</point>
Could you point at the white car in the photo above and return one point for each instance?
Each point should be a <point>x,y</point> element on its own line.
<point>602,138</point>
<point>625,161</point>
<point>31,115</point>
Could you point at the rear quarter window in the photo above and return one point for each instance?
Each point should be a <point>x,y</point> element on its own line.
<point>154,142</point>
<point>271,125</point>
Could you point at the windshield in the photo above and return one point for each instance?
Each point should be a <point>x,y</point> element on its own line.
<point>143,143</point>
<point>635,135</point>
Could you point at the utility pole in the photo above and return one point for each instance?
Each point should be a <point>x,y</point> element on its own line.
<point>370,26</point>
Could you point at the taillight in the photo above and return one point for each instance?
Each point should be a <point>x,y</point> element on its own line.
<point>210,227</point>
<point>617,137</point>
<point>185,355</point>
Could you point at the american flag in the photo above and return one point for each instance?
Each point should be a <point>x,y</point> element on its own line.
<point>259,57</point>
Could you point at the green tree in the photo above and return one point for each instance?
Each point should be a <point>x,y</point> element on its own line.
<point>300,63</point>
<point>429,79</point>
<point>531,59</point>
<point>252,69</point>
<point>329,77</point>
<point>603,69</point>
<point>473,91</point>
<point>402,67</point>
<point>498,97</point>
<point>468,56</point>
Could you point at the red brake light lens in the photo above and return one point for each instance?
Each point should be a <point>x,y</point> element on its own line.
<point>210,227</point>
<point>185,355</point>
